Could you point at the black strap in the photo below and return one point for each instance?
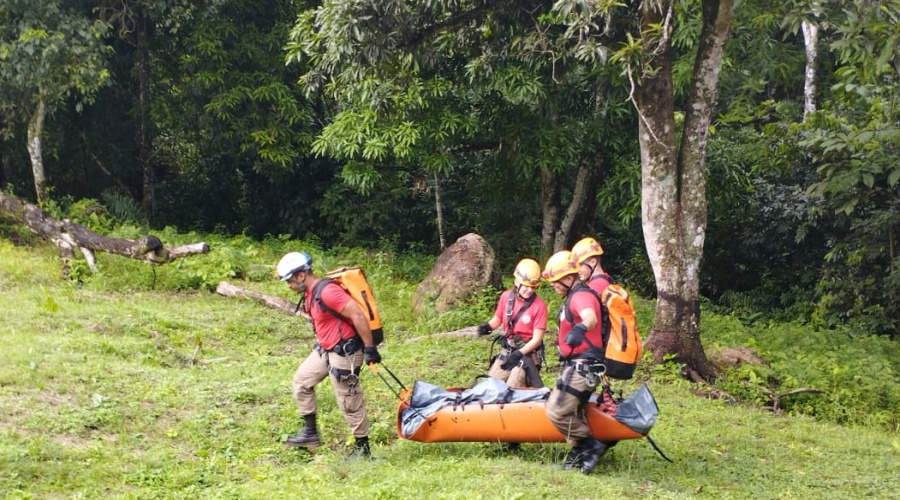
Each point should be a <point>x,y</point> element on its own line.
<point>562,384</point>
<point>509,309</point>
<point>343,373</point>
<point>652,443</point>
<point>512,320</point>
<point>576,289</point>
<point>602,276</point>
<point>317,297</point>
<point>601,354</point>
<point>583,396</point>
<point>604,308</point>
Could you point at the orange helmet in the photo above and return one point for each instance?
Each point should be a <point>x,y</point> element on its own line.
<point>528,273</point>
<point>559,265</point>
<point>585,249</point>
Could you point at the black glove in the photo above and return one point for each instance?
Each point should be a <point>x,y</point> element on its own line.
<point>372,355</point>
<point>484,329</point>
<point>512,360</point>
<point>576,336</point>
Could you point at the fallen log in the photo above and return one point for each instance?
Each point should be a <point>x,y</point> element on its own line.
<point>68,236</point>
<point>226,289</point>
<point>776,397</point>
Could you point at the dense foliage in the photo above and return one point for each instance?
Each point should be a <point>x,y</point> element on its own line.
<point>216,116</point>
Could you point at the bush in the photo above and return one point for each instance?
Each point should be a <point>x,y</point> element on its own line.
<point>859,374</point>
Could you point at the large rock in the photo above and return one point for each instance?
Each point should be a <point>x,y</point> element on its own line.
<point>736,356</point>
<point>464,268</point>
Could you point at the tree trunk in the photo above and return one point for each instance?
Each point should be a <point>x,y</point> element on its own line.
<point>440,211</point>
<point>550,202</point>
<point>584,223</point>
<point>148,201</point>
<point>67,235</point>
<point>673,190</point>
<point>811,40</point>
<point>563,237</point>
<point>35,129</point>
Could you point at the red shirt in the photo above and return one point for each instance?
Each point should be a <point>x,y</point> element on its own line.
<point>579,301</point>
<point>535,317</point>
<point>598,283</point>
<point>329,329</point>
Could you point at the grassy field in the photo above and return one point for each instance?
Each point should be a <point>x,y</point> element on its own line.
<point>113,393</point>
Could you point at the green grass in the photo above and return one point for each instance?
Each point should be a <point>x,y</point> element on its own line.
<point>108,391</point>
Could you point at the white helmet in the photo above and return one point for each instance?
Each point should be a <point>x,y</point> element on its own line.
<point>292,264</point>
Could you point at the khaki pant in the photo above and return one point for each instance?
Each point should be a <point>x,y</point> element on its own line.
<point>516,377</point>
<point>348,392</point>
<point>567,413</point>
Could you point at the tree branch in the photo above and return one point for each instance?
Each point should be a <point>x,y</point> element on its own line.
<point>226,289</point>
<point>68,235</point>
<point>417,38</point>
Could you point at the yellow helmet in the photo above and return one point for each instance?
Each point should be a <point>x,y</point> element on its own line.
<point>528,273</point>
<point>585,249</point>
<point>559,265</point>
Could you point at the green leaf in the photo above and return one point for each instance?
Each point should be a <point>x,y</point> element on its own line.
<point>868,179</point>
<point>893,177</point>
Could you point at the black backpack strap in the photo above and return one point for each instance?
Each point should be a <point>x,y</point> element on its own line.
<point>579,288</point>
<point>317,298</point>
<point>570,317</point>
<point>602,276</point>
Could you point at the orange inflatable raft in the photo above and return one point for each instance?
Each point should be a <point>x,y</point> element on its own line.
<point>519,416</point>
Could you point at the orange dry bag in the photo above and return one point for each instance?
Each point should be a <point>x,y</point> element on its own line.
<point>620,333</point>
<point>353,280</point>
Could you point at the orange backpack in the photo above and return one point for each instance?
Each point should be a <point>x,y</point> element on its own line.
<point>620,333</point>
<point>353,280</point>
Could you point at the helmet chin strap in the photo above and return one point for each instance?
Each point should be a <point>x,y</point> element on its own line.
<point>301,286</point>
<point>592,268</point>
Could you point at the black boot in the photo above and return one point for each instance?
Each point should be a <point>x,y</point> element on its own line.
<point>361,448</point>
<point>573,457</point>
<point>593,450</point>
<point>308,436</point>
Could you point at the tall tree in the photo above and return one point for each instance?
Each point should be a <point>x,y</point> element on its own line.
<point>356,44</point>
<point>674,181</point>
<point>47,55</point>
<point>808,17</point>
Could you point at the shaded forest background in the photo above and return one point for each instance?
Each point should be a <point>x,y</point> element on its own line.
<point>185,114</point>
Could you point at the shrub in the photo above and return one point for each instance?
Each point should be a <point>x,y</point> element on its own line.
<point>859,373</point>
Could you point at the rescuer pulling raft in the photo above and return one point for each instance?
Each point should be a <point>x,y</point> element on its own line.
<point>574,411</point>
